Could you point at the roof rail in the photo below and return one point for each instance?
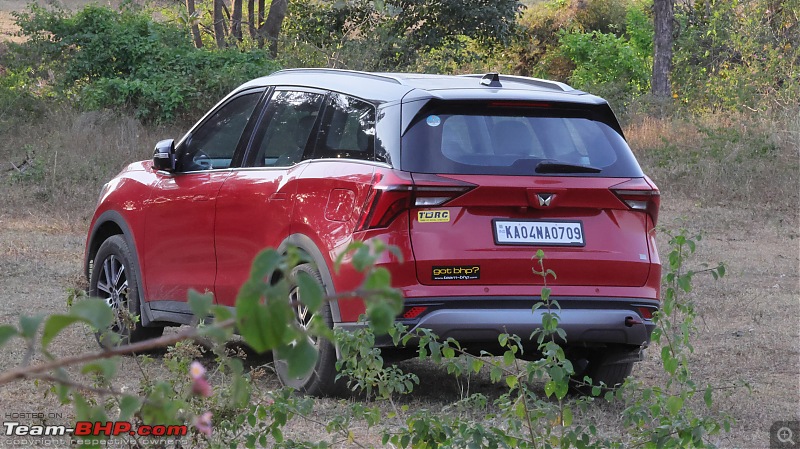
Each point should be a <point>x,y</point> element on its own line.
<point>530,81</point>
<point>375,76</point>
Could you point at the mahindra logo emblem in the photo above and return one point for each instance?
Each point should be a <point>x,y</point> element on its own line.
<point>545,198</point>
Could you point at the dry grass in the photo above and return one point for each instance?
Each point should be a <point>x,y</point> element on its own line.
<point>741,158</point>
<point>69,155</point>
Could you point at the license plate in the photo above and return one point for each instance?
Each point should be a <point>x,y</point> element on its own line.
<point>538,232</point>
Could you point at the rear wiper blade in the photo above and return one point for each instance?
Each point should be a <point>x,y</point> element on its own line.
<point>564,167</point>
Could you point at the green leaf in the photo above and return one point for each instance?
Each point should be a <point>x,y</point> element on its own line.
<point>379,279</point>
<point>685,283</point>
<point>508,358</point>
<point>707,396</point>
<point>674,404</point>
<point>300,358</point>
<point>362,258</point>
<point>381,316</point>
<point>105,367</point>
<point>310,291</point>
<point>496,373</point>
<point>128,405</point>
<point>721,269</point>
<point>6,332</point>
<point>549,388</point>
<point>55,324</point>
<point>28,325</point>
<point>511,381</point>
<point>264,264</point>
<point>200,303</point>
<point>562,388</point>
<point>566,416</point>
<point>477,364</point>
<point>448,352</point>
<point>93,311</point>
<point>671,365</point>
<point>263,326</point>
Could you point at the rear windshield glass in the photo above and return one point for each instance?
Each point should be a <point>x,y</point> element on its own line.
<point>481,139</point>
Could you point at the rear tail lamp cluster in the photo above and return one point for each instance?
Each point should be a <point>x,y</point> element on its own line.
<point>386,202</point>
<point>638,194</point>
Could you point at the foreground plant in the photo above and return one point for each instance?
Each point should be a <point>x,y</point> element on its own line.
<point>227,406</point>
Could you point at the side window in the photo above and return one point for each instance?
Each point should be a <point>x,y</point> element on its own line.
<point>214,143</point>
<point>348,129</point>
<point>287,126</point>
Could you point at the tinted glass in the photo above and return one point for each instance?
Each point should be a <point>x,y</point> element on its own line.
<point>288,124</point>
<point>479,139</point>
<point>214,143</point>
<point>348,129</point>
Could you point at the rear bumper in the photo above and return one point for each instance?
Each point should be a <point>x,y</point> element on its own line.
<point>587,321</point>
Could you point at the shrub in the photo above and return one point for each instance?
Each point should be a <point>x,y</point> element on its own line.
<point>104,58</point>
<point>617,67</point>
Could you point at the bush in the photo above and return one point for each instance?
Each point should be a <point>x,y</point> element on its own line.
<point>617,67</point>
<point>737,55</point>
<point>104,58</point>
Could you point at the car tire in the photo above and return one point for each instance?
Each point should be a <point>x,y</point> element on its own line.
<point>613,375</point>
<point>321,381</point>
<point>115,279</point>
<point>611,368</point>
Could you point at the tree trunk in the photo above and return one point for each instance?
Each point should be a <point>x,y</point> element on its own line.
<point>251,18</point>
<point>198,41</point>
<point>236,20</point>
<point>664,24</point>
<point>219,24</point>
<point>262,5</point>
<point>272,26</point>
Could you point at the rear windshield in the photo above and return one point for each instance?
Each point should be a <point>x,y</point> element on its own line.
<point>504,140</point>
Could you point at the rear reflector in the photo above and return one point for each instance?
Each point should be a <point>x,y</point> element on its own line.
<point>646,312</point>
<point>414,312</point>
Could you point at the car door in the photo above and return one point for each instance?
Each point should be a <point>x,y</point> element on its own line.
<point>255,203</point>
<point>179,228</point>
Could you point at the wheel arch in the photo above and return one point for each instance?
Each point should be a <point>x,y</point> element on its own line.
<point>108,224</point>
<point>315,256</point>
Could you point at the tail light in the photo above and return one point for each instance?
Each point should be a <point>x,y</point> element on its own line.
<point>387,200</point>
<point>639,194</point>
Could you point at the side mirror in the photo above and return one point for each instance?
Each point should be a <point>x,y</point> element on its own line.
<point>164,155</point>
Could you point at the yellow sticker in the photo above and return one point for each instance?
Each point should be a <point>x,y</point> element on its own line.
<point>433,216</point>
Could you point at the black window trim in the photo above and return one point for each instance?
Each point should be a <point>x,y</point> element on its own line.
<point>247,160</point>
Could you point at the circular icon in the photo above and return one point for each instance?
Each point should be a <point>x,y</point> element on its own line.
<point>785,435</point>
<point>433,120</point>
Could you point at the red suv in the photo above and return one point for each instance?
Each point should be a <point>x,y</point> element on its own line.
<point>466,175</point>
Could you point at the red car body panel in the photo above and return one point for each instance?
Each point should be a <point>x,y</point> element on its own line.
<point>253,211</point>
<point>181,211</point>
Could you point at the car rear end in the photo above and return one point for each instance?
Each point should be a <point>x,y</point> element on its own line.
<point>489,176</point>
